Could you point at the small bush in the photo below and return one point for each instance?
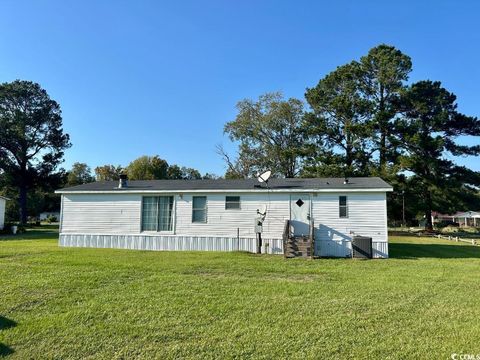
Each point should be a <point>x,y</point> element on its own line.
<point>450,229</point>
<point>470,230</point>
<point>455,229</point>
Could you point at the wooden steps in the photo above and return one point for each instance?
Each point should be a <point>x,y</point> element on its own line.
<point>298,246</point>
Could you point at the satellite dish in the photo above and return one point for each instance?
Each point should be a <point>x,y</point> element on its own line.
<point>264,176</point>
<point>262,210</point>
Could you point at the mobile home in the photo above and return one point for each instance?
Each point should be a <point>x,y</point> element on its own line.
<point>3,203</point>
<point>221,214</point>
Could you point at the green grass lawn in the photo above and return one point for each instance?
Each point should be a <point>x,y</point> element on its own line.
<point>64,303</point>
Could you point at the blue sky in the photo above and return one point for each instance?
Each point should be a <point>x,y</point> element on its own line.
<point>151,77</point>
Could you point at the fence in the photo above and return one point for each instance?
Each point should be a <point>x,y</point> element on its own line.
<point>455,238</point>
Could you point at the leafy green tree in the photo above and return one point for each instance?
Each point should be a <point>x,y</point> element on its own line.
<point>32,140</point>
<point>340,126</point>
<point>190,174</point>
<point>174,172</point>
<point>270,133</point>
<point>79,174</point>
<point>240,168</point>
<point>209,176</point>
<point>147,168</point>
<point>385,70</point>
<point>428,132</point>
<point>108,172</point>
<point>231,174</point>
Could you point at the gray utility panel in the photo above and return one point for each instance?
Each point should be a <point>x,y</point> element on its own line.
<point>362,247</point>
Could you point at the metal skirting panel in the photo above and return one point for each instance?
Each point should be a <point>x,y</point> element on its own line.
<point>343,248</point>
<point>327,248</point>
<point>380,250</point>
<point>169,242</point>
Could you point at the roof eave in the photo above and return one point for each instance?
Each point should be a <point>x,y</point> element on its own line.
<point>133,191</point>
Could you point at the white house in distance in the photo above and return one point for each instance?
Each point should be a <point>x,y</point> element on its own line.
<point>3,203</point>
<point>467,218</point>
<point>464,219</point>
<point>221,214</point>
<point>47,214</point>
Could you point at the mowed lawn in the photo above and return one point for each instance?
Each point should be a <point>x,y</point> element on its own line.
<point>64,303</point>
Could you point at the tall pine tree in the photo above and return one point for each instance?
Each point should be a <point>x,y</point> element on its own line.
<point>340,121</point>
<point>385,70</point>
<point>32,140</point>
<point>428,132</point>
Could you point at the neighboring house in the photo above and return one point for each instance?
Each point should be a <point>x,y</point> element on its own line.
<point>221,214</point>
<point>468,218</point>
<point>46,214</point>
<point>463,219</point>
<point>3,203</point>
<point>438,218</point>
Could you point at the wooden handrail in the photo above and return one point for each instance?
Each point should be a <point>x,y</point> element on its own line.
<point>286,236</point>
<point>312,238</point>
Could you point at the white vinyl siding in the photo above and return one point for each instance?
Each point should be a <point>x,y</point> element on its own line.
<point>366,217</point>
<point>121,213</point>
<point>223,222</point>
<point>101,213</point>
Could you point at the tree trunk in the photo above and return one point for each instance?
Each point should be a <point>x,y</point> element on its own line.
<point>383,124</point>
<point>428,212</point>
<point>428,220</point>
<point>348,152</point>
<point>22,200</point>
<point>383,149</point>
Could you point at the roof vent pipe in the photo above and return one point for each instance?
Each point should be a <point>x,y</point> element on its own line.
<point>122,183</point>
<point>345,181</point>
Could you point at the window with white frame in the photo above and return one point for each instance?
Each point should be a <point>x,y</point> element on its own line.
<point>343,206</point>
<point>199,209</point>
<point>232,202</point>
<point>157,213</point>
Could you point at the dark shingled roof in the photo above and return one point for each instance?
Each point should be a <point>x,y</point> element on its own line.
<point>296,184</point>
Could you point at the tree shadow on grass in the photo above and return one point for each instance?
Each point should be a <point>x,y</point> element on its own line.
<point>440,251</point>
<point>5,350</point>
<point>32,235</point>
<point>5,323</point>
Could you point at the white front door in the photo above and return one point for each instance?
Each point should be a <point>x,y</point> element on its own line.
<point>300,214</point>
